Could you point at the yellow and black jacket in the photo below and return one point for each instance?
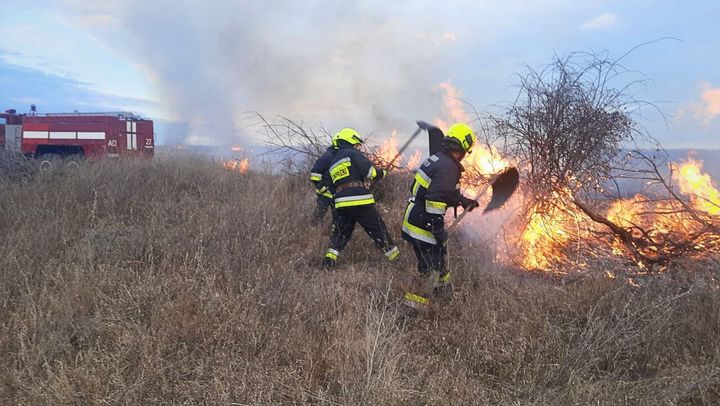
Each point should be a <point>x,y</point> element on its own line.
<point>320,176</point>
<point>435,188</point>
<point>348,172</point>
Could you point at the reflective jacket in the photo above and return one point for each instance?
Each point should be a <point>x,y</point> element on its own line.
<point>435,188</point>
<point>320,176</point>
<point>351,168</point>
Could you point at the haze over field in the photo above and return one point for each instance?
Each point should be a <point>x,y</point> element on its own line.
<point>198,70</point>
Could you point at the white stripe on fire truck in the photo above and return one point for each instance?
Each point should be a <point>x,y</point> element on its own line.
<point>35,134</point>
<point>63,135</point>
<point>89,135</point>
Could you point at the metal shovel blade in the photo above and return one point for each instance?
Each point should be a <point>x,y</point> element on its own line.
<point>503,187</point>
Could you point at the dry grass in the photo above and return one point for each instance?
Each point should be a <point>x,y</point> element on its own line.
<point>177,282</point>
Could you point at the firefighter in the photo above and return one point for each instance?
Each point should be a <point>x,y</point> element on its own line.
<point>435,188</point>
<point>353,201</point>
<point>324,187</point>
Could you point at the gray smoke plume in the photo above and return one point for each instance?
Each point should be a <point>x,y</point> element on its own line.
<point>371,65</point>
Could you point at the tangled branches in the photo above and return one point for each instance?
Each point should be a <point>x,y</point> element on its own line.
<point>574,125</point>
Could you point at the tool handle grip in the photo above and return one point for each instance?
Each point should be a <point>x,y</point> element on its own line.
<point>482,192</point>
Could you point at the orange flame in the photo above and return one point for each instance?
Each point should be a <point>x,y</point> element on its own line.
<point>483,160</point>
<point>414,160</point>
<point>546,237</point>
<point>626,213</point>
<point>388,149</point>
<point>547,231</point>
<point>242,166</point>
<point>699,186</point>
<point>452,105</point>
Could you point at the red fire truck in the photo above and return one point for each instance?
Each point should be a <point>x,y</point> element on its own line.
<point>76,135</point>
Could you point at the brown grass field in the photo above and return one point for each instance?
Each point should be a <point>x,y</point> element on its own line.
<point>175,281</point>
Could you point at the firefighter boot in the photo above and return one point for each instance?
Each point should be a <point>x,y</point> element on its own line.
<point>418,293</point>
<point>443,287</point>
<point>330,259</point>
<point>392,253</point>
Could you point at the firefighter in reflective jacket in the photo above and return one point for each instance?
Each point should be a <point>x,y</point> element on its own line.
<point>353,201</point>
<point>435,188</point>
<point>324,187</point>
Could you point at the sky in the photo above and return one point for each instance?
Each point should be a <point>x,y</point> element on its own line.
<point>201,70</point>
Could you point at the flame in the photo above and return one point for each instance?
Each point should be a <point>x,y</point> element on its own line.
<point>388,149</point>
<point>699,186</point>
<point>547,231</point>
<point>452,106</point>
<point>414,160</point>
<point>624,212</point>
<point>237,149</point>
<point>627,213</point>
<point>551,229</point>
<point>664,220</point>
<point>485,161</point>
<point>242,166</point>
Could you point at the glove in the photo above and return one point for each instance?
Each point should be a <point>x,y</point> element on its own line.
<point>469,204</point>
<point>441,236</point>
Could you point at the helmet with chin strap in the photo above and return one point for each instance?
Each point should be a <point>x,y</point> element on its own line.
<point>348,135</point>
<point>460,137</point>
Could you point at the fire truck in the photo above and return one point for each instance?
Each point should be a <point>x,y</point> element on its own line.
<point>73,136</point>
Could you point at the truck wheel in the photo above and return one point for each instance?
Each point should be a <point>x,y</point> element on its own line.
<point>49,162</point>
<point>73,161</point>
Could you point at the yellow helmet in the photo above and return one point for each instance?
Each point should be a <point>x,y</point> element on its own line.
<point>461,135</point>
<point>348,135</point>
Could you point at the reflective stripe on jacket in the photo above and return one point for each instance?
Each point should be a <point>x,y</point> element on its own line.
<point>320,176</point>
<point>435,187</point>
<point>350,165</point>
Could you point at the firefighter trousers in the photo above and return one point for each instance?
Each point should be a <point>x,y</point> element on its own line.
<point>371,222</point>
<point>431,258</point>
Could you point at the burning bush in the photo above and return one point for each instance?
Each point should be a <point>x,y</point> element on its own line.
<point>573,127</point>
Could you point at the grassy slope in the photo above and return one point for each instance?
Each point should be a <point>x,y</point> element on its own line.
<point>179,282</point>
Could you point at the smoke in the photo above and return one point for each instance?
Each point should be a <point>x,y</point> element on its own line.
<point>365,64</point>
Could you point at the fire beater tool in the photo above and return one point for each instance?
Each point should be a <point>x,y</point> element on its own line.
<point>503,186</point>
<point>421,126</point>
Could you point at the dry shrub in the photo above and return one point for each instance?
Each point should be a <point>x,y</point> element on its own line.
<point>176,281</point>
